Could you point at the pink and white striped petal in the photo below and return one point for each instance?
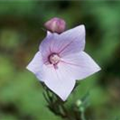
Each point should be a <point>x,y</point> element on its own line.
<point>80,65</point>
<point>68,42</point>
<point>36,66</point>
<point>72,41</point>
<point>59,81</point>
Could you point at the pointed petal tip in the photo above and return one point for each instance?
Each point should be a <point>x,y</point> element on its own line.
<point>82,27</point>
<point>98,69</point>
<point>48,33</point>
<point>29,68</point>
<point>38,75</point>
<point>64,97</point>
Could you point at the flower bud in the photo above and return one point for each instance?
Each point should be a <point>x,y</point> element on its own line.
<point>78,103</point>
<point>55,25</point>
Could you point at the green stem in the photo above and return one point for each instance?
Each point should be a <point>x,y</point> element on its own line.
<point>83,115</point>
<point>56,105</point>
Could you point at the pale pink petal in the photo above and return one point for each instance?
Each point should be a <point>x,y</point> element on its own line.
<point>59,81</point>
<point>71,41</point>
<point>80,65</point>
<point>47,44</point>
<point>68,42</point>
<point>36,66</point>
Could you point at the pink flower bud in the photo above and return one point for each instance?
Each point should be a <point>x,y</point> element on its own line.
<point>55,25</point>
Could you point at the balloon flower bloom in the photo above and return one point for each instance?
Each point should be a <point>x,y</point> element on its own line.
<point>61,60</point>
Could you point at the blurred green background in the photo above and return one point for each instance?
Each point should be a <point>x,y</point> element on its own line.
<point>21,31</point>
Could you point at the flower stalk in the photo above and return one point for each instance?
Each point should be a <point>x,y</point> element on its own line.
<point>58,107</point>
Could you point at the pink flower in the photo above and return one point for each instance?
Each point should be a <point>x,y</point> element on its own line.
<point>57,25</point>
<point>61,61</point>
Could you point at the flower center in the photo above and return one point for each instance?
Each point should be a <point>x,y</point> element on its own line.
<point>54,58</point>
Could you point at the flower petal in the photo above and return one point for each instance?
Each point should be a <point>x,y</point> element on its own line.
<point>35,66</point>
<point>72,41</point>
<point>68,42</point>
<point>59,81</point>
<point>46,45</point>
<point>80,65</point>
